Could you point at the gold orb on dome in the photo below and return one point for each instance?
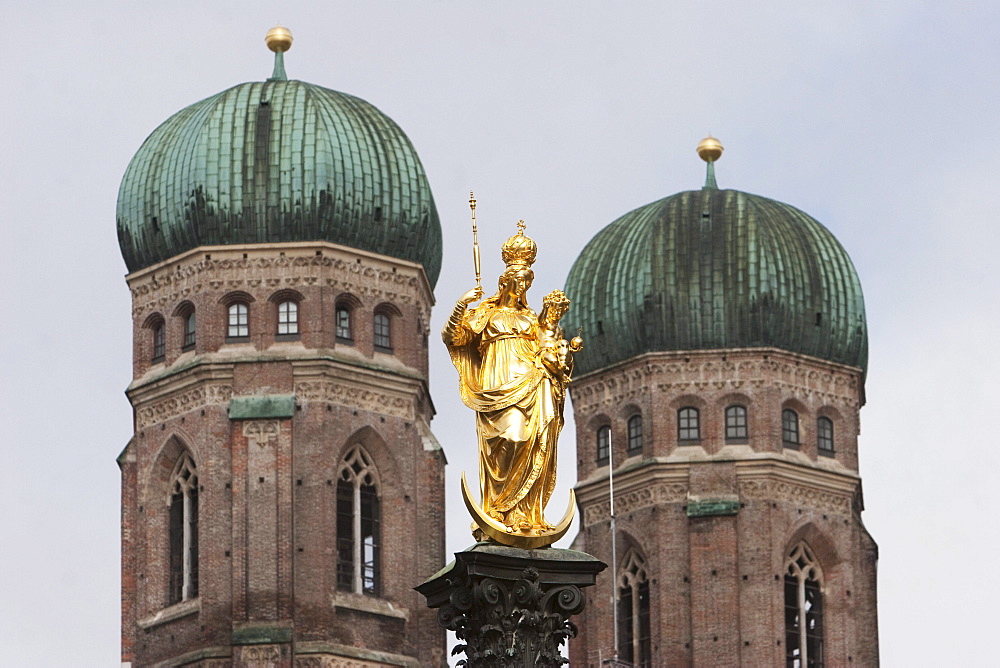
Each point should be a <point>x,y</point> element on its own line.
<point>709,149</point>
<point>278,39</point>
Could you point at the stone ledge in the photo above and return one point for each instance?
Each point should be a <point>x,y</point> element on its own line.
<point>321,649</point>
<point>169,614</point>
<point>370,605</point>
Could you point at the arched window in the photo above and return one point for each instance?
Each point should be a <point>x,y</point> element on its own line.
<point>635,434</point>
<point>634,639</point>
<point>803,609</point>
<point>824,436</point>
<point>736,424</point>
<point>383,332</point>
<point>343,324</point>
<point>790,428</point>
<point>239,321</point>
<point>183,531</point>
<point>603,444</point>
<point>159,341</point>
<point>359,559</point>
<point>688,428</point>
<point>189,331</point>
<point>288,318</point>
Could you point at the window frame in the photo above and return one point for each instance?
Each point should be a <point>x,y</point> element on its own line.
<point>190,324</point>
<point>803,601</point>
<point>287,318</point>
<point>634,630</point>
<point>737,424</point>
<point>182,531</point>
<point>791,433</point>
<point>685,416</point>
<point>382,340</point>
<point>824,436</point>
<point>634,443</point>
<point>339,328</point>
<point>358,514</point>
<point>603,442</point>
<point>232,310</point>
<point>159,342</point>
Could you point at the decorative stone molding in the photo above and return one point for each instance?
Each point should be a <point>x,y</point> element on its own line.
<point>510,608</point>
<point>261,432</point>
<point>754,488</point>
<point>355,397</point>
<point>181,403</point>
<point>261,654</point>
<point>331,661</point>
<point>173,285</point>
<point>801,495</point>
<point>739,371</point>
<point>627,502</point>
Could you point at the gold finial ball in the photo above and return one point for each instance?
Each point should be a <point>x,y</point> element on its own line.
<point>709,149</point>
<point>278,39</point>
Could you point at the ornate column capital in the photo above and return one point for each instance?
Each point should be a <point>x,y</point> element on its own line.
<point>511,607</point>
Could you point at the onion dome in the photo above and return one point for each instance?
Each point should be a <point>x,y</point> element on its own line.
<point>277,161</point>
<point>713,269</point>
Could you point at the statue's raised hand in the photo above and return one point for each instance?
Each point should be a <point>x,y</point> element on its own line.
<point>475,294</point>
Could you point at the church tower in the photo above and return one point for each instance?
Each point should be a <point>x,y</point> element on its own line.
<point>282,491</point>
<point>721,384</point>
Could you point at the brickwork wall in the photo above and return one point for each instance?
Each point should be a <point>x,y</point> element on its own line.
<point>267,486</point>
<point>718,580</point>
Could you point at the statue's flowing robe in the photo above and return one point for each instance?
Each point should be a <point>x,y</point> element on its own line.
<point>519,408</point>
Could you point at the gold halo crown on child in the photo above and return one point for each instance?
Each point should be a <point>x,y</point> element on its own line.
<point>520,250</point>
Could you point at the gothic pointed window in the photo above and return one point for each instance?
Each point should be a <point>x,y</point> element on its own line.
<point>635,434</point>
<point>358,525</point>
<point>603,444</point>
<point>790,428</point>
<point>688,427</point>
<point>736,424</point>
<point>288,318</point>
<point>183,531</point>
<point>803,609</point>
<point>824,436</point>
<point>634,638</point>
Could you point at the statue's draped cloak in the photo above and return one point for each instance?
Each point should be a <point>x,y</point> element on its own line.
<point>518,408</point>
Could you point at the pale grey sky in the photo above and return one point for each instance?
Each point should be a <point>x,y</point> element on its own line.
<point>879,119</point>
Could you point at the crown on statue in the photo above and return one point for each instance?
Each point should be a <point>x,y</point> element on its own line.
<point>520,250</point>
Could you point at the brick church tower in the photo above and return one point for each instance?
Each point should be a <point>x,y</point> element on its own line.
<point>283,490</point>
<point>722,382</point>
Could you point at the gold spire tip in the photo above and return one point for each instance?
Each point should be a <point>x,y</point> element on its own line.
<point>520,227</point>
<point>709,149</point>
<point>278,39</point>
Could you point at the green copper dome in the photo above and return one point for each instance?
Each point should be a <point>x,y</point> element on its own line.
<point>278,161</point>
<point>712,269</point>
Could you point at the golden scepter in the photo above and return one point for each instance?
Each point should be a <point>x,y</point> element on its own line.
<point>475,239</point>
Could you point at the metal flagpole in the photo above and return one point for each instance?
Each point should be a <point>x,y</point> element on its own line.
<point>614,541</point>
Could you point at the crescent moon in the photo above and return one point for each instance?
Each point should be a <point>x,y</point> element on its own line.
<point>499,532</point>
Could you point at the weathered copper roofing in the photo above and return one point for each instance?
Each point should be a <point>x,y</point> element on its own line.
<point>711,269</point>
<point>278,161</point>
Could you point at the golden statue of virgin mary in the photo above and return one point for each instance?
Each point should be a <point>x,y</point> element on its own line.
<point>513,367</point>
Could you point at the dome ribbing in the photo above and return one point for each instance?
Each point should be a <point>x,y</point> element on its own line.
<point>713,269</point>
<point>278,161</point>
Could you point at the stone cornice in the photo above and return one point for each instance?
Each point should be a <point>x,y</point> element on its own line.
<point>656,482</point>
<point>735,370</point>
<point>315,378</point>
<point>162,286</point>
